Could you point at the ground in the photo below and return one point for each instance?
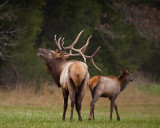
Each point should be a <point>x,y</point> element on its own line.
<point>139,106</point>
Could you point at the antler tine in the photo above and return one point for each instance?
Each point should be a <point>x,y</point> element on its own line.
<point>95,65</point>
<point>57,43</point>
<point>91,58</point>
<point>96,51</point>
<point>83,56</point>
<point>83,49</point>
<point>71,46</point>
<point>76,39</point>
<point>62,40</point>
<point>61,44</point>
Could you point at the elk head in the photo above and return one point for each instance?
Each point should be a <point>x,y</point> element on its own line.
<point>50,55</point>
<point>60,52</point>
<point>125,73</point>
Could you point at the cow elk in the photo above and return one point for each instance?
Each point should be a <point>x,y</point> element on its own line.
<point>108,87</point>
<point>71,75</point>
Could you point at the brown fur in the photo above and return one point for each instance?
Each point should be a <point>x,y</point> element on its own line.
<point>77,72</point>
<point>108,87</point>
<point>55,69</point>
<point>72,77</point>
<point>122,79</point>
<point>93,82</point>
<point>113,77</point>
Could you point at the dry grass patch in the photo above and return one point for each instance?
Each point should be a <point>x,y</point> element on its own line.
<point>51,96</point>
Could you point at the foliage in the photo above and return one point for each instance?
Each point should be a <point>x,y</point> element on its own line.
<point>29,17</point>
<point>8,30</point>
<point>145,19</point>
<point>127,31</point>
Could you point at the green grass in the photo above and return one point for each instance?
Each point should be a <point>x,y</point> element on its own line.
<point>37,117</point>
<point>139,107</point>
<point>150,88</point>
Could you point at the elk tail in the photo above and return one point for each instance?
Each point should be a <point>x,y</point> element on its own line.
<point>93,83</point>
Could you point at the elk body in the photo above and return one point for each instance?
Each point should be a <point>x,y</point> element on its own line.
<point>72,75</point>
<point>108,87</point>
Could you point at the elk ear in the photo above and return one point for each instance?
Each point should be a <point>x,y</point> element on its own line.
<point>60,54</point>
<point>127,69</point>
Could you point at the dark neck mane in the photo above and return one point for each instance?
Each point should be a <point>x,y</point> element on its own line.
<point>123,82</point>
<point>55,67</point>
<point>124,85</point>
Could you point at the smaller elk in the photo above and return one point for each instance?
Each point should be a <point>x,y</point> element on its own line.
<point>110,86</point>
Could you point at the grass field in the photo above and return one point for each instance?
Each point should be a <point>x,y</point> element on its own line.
<point>139,107</point>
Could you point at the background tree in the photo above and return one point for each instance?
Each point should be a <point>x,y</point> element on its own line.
<point>126,30</point>
<point>7,30</point>
<point>22,63</point>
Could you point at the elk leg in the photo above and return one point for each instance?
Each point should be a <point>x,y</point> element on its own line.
<point>94,99</point>
<point>93,110</point>
<point>93,115</point>
<point>65,97</point>
<point>116,108</point>
<point>78,102</point>
<point>111,107</point>
<point>72,104</point>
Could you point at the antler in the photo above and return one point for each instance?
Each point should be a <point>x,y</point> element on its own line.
<point>80,51</point>
<point>57,43</point>
<point>91,58</point>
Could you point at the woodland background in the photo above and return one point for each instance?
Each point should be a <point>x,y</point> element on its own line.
<point>128,32</point>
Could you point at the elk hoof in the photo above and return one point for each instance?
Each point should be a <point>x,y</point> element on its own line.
<point>80,120</point>
<point>118,119</point>
<point>89,118</point>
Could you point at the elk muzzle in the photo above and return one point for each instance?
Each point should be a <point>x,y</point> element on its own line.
<point>43,52</point>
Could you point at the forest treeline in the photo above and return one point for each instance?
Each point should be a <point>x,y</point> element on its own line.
<point>128,32</point>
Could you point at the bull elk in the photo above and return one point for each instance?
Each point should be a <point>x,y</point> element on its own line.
<point>108,87</point>
<point>71,75</point>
